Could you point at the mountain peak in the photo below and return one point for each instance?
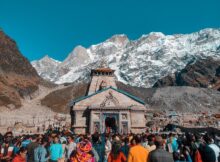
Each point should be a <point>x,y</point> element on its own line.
<point>158,34</point>
<point>76,57</point>
<point>143,61</point>
<point>78,48</point>
<point>76,51</point>
<point>118,36</point>
<point>47,58</point>
<point>120,39</point>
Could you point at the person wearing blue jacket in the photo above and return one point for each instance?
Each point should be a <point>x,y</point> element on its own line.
<point>40,153</point>
<point>56,150</point>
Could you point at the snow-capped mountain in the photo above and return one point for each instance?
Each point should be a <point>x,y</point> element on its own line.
<point>138,62</point>
<point>47,67</point>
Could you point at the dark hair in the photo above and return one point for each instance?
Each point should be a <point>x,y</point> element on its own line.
<point>34,137</point>
<point>116,147</point>
<point>95,138</point>
<point>43,141</point>
<point>151,138</point>
<point>126,140</point>
<point>198,137</point>
<point>158,141</point>
<point>21,150</point>
<point>70,136</point>
<point>137,139</point>
<point>8,133</point>
<point>207,139</point>
<point>56,136</point>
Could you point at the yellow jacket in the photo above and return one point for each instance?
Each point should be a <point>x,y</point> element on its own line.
<point>138,154</point>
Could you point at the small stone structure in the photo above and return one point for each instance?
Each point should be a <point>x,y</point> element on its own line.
<point>106,108</point>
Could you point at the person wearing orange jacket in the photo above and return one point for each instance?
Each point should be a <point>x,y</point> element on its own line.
<point>21,156</point>
<point>138,153</point>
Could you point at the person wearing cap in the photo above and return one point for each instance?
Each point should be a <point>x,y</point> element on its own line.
<point>159,155</point>
<point>137,153</point>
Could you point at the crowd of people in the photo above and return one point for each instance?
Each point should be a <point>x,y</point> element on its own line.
<point>64,146</point>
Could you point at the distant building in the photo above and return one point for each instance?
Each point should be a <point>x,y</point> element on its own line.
<point>106,108</point>
<point>172,114</point>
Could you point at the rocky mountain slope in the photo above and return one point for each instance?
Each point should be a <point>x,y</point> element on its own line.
<point>59,100</point>
<point>202,73</point>
<point>138,62</point>
<point>18,79</point>
<point>181,99</point>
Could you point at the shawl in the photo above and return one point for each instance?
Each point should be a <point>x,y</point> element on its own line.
<point>83,152</point>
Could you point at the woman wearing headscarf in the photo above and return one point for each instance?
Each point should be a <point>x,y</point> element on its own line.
<point>83,152</point>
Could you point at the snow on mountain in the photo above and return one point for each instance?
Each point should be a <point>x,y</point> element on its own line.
<point>77,57</point>
<point>138,62</point>
<point>47,67</point>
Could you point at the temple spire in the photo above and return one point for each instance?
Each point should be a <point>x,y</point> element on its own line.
<point>102,77</point>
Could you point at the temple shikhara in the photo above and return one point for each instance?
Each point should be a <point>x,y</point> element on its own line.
<point>106,108</point>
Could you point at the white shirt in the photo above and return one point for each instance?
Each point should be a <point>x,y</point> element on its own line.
<point>216,149</point>
<point>70,147</point>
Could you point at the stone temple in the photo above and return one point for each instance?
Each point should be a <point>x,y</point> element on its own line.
<point>106,108</point>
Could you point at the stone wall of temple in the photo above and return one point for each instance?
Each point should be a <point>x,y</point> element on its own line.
<point>100,98</point>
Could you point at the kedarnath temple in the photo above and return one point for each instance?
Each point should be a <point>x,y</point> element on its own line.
<point>106,108</point>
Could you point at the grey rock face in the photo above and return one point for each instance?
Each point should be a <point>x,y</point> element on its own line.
<point>185,99</point>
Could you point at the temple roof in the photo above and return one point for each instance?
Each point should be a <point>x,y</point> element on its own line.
<point>118,90</point>
<point>117,108</point>
<point>103,70</point>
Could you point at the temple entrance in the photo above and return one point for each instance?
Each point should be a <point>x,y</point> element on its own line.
<point>111,123</point>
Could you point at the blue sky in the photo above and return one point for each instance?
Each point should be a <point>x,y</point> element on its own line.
<point>55,27</point>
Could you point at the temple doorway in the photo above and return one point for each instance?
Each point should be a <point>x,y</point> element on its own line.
<point>111,123</point>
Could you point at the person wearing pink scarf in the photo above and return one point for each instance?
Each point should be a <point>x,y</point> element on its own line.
<point>83,152</point>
